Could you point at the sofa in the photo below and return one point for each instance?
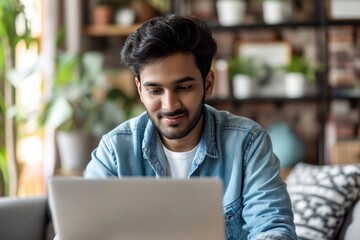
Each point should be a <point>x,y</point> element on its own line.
<point>350,227</point>
<point>30,218</point>
<point>25,218</point>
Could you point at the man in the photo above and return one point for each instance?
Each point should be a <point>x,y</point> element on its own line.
<point>181,137</point>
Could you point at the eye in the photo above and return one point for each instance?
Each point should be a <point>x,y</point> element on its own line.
<point>154,91</point>
<point>184,88</point>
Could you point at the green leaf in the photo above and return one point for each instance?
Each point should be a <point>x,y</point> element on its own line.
<point>93,63</point>
<point>18,76</point>
<point>243,65</point>
<point>58,113</point>
<point>67,69</point>
<point>300,64</point>
<point>4,170</point>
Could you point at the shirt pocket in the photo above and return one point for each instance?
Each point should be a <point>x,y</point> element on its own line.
<point>233,222</point>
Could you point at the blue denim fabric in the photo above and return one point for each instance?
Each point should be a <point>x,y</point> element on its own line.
<point>236,149</point>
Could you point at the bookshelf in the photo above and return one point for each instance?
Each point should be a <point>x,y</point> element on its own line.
<point>310,114</point>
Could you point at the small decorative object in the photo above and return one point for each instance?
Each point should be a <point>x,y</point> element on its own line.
<point>274,54</point>
<point>230,12</point>
<point>286,145</point>
<point>125,17</point>
<point>243,86</point>
<point>102,12</point>
<point>344,9</point>
<point>203,9</point>
<point>221,89</point>
<point>276,11</point>
<point>295,84</point>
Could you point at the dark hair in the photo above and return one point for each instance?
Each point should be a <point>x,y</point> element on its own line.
<point>166,35</point>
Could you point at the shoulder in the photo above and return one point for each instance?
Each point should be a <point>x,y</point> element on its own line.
<point>225,120</point>
<point>129,127</point>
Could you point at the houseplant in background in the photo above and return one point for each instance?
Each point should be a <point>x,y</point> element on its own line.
<point>4,172</point>
<point>298,73</point>
<point>82,107</point>
<point>243,74</point>
<point>12,15</point>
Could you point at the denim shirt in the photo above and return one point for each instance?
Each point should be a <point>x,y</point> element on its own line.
<point>236,149</point>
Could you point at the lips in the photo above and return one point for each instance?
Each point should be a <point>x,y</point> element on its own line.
<point>174,120</point>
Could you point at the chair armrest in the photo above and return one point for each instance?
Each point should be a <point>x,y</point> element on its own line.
<point>23,218</point>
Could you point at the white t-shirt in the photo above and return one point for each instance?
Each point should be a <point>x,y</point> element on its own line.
<point>179,163</point>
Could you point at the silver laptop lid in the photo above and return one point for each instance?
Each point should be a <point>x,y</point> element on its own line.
<point>137,208</point>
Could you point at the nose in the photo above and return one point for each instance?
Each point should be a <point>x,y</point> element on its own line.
<point>170,102</point>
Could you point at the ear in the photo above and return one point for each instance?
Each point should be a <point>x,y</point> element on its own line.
<point>209,83</point>
<point>138,87</point>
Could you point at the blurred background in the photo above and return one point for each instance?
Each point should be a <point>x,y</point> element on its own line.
<point>293,66</point>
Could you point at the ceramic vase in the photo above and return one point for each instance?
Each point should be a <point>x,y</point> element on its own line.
<point>295,85</point>
<point>230,12</point>
<point>243,86</point>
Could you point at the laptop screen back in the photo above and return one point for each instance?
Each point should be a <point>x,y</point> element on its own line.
<point>137,208</point>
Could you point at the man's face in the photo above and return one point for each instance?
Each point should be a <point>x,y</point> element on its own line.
<point>172,91</point>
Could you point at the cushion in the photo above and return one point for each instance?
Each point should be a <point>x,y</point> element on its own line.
<point>350,228</point>
<point>321,195</point>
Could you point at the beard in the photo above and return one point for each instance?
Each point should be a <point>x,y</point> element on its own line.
<point>176,131</point>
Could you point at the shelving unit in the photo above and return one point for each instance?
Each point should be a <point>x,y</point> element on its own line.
<point>109,30</point>
<point>345,150</point>
<point>315,105</point>
<point>312,100</point>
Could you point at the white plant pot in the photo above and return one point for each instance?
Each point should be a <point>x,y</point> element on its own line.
<point>74,151</point>
<point>295,85</point>
<point>275,11</point>
<point>230,12</point>
<point>125,17</point>
<point>243,86</point>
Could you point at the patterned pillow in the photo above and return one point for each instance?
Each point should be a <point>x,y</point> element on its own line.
<point>321,196</point>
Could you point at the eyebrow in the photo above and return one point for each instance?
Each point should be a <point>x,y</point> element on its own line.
<point>179,81</point>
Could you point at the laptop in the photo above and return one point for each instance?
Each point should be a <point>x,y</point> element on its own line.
<point>137,208</point>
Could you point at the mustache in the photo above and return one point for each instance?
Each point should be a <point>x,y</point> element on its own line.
<point>171,114</point>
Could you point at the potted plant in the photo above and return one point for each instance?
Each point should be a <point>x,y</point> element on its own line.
<point>297,73</point>
<point>102,11</point>
<point>82,107</point>
<point>243,72</point>
<point>230,12</point>
<point>276,11</point>
<point>83,104</point>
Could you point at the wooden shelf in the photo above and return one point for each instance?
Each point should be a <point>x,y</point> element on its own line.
<point>110,30</point>
<point>354,22</point>
<point>260,25</point>
<point>260,99</point>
